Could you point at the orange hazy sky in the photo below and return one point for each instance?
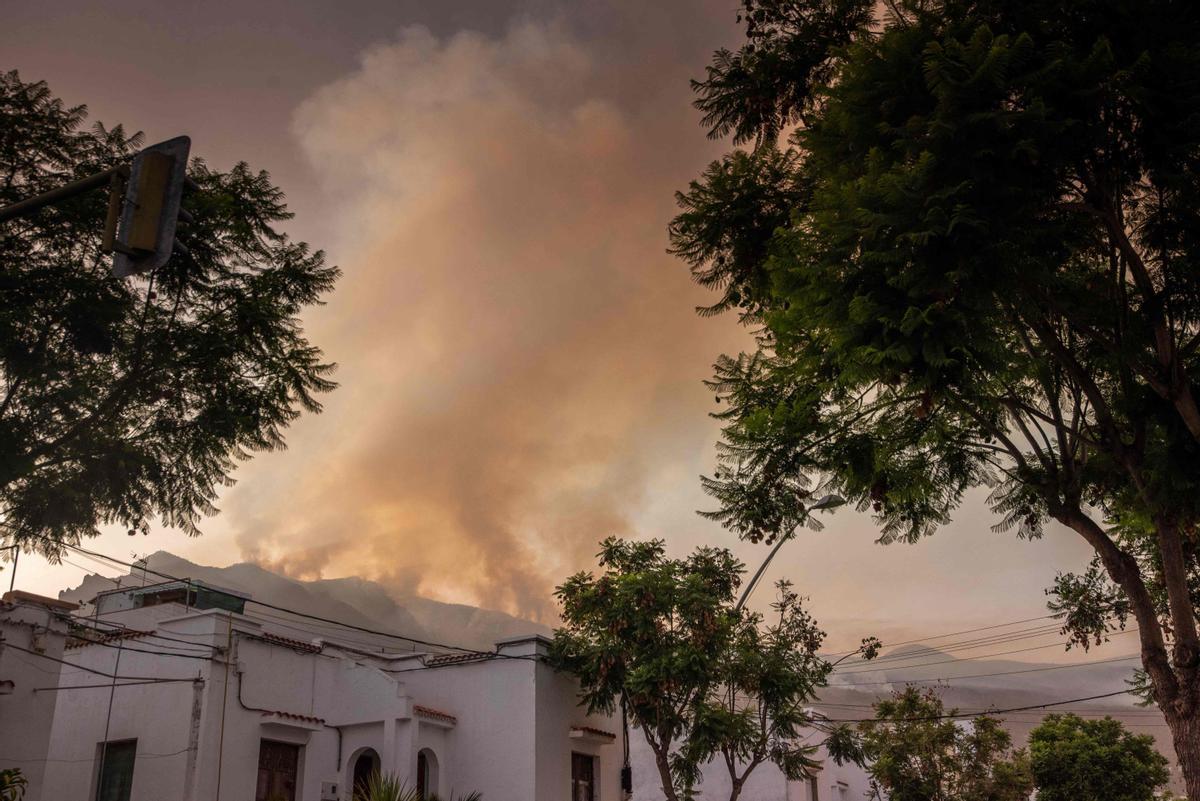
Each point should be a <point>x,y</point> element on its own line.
<point>519,359</point>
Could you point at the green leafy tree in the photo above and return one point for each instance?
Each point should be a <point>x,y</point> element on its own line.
<point>1073,758</point>
<point>914,750</point>
<point>756,707</point>
<point>123,400</point>
<point>700,676</point>
<point>970,263</point>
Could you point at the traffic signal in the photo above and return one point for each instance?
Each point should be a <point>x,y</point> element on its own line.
<point>141,226</point>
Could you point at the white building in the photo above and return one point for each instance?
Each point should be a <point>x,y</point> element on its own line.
<point>32,634</point>
<point>218,705</point>
<point>215,702</point>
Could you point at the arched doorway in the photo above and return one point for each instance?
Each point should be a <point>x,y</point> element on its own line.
<point>365,765</point>
<point>427,773</point>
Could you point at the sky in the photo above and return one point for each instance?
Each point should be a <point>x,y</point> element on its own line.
<point>520,361</point>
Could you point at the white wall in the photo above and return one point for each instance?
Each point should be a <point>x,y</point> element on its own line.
<point>166,719</point>
<point>558,711</point>
<point>511,739</point>
<point>26,715</point>
<point>766,782</point>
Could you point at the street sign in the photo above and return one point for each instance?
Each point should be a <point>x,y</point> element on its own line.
<point>145,232</point>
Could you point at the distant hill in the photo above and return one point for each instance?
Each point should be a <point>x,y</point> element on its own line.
<point>351,600</point>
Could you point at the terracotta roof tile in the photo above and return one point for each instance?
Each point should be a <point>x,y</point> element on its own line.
<point>426,712</point>
<point>104,639</point>
<point>454,659</point>
<point>608,735</point>
<point>292,716</point>
<point>288,642</point>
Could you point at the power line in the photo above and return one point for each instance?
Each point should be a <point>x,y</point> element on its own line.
<point>1107,711</point>
<point>951,679</point>
<point>124,647</point>
<point>971,644</point>
<point>275,620</point>
<point>100,686</point>
<point>965,645</point>
<point>482,657</point>
<point>980,656</point>
<point>958,715</point>
<point>352,626</point>
<point>138,755</point>
<point>964,631</point>
<point>120,627</point>
<point>149,679</point>
<point>308,628</point>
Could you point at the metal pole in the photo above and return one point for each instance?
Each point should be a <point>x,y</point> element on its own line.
<point>750,586</point>
<point>16,555</point>
<point>72,189</point>
<point>828,502</point>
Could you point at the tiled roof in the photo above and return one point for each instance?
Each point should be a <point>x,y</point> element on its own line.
<point>608,735</point>
<point>434,714</point>
<point>454,659</point>
<point>267,713</point>
<point>104,639</point>
<point>288,642</point>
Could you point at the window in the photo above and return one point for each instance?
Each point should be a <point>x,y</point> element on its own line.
<point>277,767</point>
<point>583,777</point>
<point>116,770</point>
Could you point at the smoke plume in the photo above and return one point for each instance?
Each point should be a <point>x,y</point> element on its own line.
<point>520,359</point>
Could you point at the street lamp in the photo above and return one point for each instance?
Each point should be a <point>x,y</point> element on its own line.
<point>827,502</point>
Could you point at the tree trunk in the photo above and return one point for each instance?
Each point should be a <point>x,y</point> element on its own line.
<point>664,775</point>
<point>1185,734</point>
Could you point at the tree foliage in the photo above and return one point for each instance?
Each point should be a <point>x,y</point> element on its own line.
<point>701,677</point>
<point>123,400</point>
<point>916,751</point>
<point>986,278</point>
<point>1073,758</point>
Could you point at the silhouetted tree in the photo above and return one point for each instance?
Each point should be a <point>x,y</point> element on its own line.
<point>123,400</point>
<point>971,260</point>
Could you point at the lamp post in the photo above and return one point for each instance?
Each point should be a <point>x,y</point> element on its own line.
<point>828,502</point>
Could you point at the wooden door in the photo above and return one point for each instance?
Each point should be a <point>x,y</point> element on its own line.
<point>583,778</point>
<point>277,766</point>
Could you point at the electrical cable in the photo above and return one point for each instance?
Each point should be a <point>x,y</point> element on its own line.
<point>951,679</point>
<point>992,712</point>
<point>964,645</point>
<point>91,670</point>
<point>964,631</point>
<point>980,656</point>
<point>133,633</point>
<point>305,615</point>
<point>123,647</point>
